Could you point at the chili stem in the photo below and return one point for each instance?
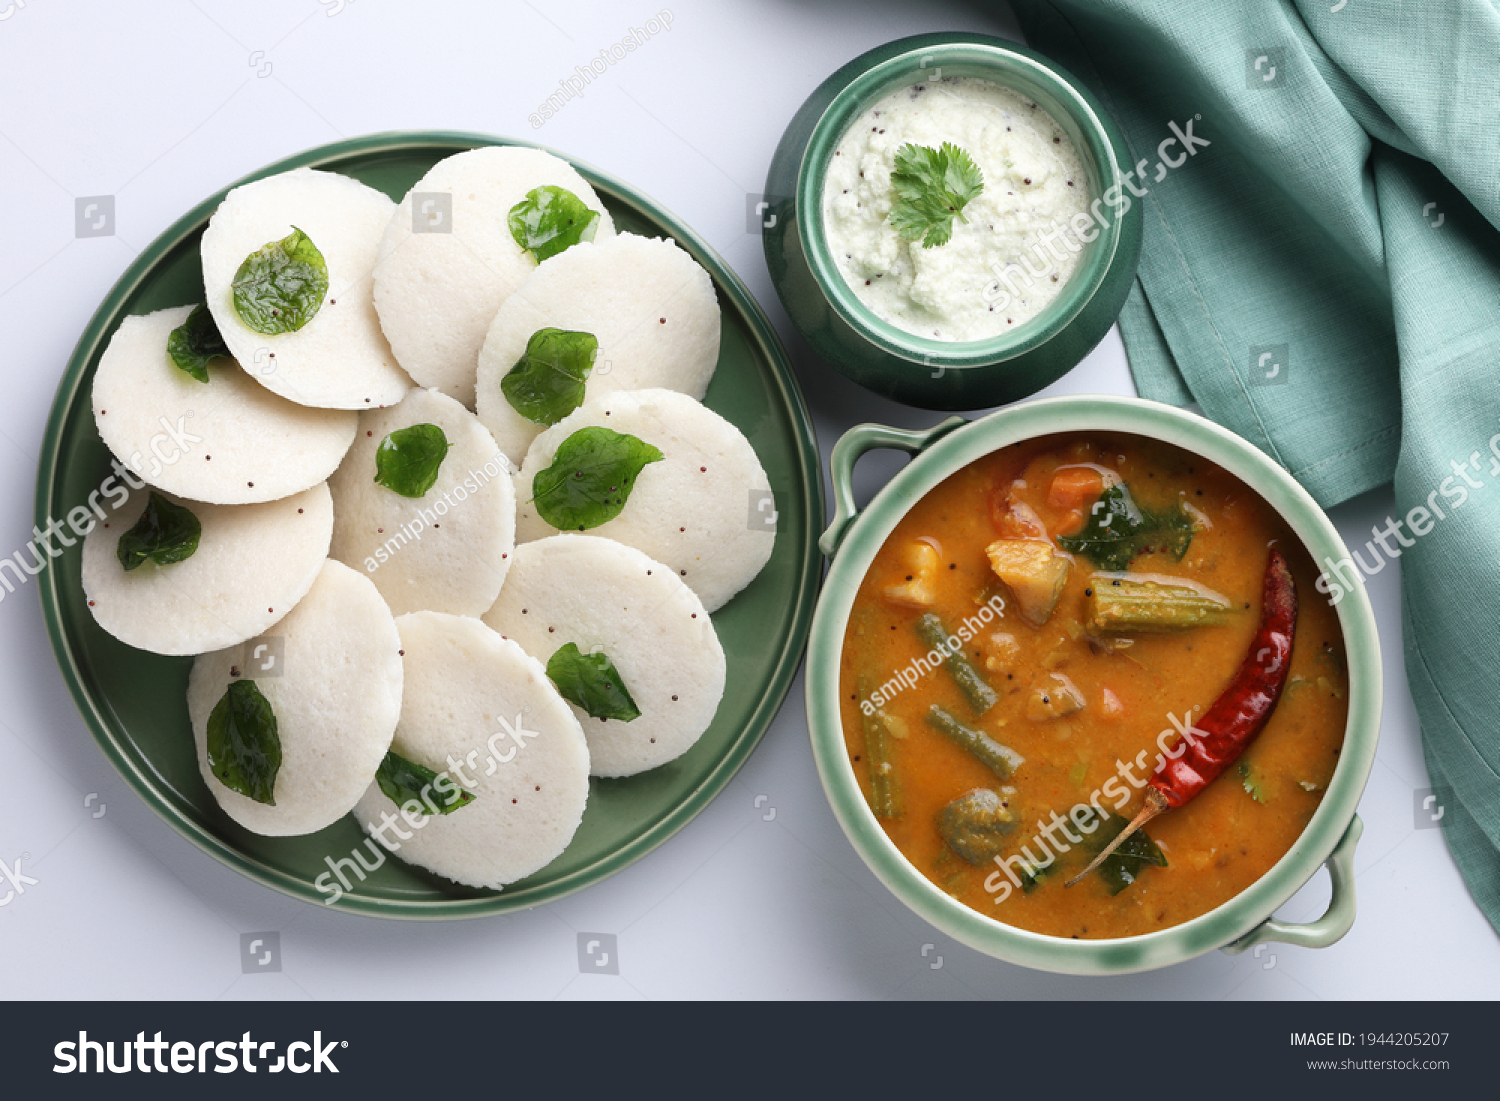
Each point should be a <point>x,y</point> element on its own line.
<point>1156,802</point>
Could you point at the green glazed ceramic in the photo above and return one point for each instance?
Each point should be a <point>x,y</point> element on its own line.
<point>134,702</point>
<point>937,374</point>
<point>852,541</point>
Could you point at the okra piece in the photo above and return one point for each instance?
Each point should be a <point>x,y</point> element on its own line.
<point>1134,604</point>
<point>999,759</point>
<point>975,688</point>
<point>885,788</point>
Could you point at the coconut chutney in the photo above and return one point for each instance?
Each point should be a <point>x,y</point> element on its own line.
<point>1013,248</point>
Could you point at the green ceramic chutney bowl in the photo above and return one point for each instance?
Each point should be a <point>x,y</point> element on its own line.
<point>851,542</point>
<point>939,374</point>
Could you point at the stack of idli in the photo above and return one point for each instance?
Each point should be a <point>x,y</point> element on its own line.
<point>442,607</point>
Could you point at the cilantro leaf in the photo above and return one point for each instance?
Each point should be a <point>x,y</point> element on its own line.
<point>196,343</point>
<point>244,749</point>
<point>547,382</point>
<point>932,188</point>
<point>1253,783</point>
<point>280,286</point>
<point>1118,529</point>
<point>592,682</point>
<point>551,219</point>
<point>403,780</point>
<point>165,533</point>
<point>590,478</point>
<point>407,460</point>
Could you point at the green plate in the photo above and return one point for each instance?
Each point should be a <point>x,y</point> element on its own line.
<point>135,702</point>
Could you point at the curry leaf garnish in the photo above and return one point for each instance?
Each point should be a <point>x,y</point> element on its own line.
<point>547,383</point>
<point>407,460</point>
<point>1123,866</point>
<point>590,478</point>
<point>244,750</point>
<point>165,533</point>
<point>932,188</point>
<point>403,780</point>
<point>551,219</point>
<point>592,682</point>
<point>1118,529</point>
<point>280,287</point>
<point>196,343</point>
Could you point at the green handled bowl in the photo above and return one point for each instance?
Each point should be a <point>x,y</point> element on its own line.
<point>937,374</point>
<point>851,542</point>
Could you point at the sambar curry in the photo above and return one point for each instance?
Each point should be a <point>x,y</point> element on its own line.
<point>1034,635</point>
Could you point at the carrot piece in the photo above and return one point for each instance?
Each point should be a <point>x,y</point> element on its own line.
<point>1075,487</point>
<point>1071,523</point>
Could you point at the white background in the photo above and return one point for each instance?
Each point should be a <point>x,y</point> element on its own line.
<point>159,104</point>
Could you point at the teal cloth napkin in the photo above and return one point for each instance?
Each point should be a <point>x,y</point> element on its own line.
<point>1323,278</point>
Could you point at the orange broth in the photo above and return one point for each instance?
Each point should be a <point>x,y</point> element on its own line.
<point>1216,845</point>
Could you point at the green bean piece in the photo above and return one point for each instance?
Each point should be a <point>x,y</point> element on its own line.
<point>975,688</point>
<point>885,788</point>
<point>1001,760</point>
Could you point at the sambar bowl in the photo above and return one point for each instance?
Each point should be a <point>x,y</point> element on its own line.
<point>852,541</point>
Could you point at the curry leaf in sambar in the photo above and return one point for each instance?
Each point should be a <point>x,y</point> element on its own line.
<point>280,287</point>
<point>244,749</point>
<point>1118,529</point>
<point>551,219</point>
<point>592,682</point>
<point>1123,866</point>
<point>547,382</point>
<point>590,478</point>
<point>407,460</point>
<point>165,533</point>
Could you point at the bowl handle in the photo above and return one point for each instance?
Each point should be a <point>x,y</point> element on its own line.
<point>854,443</point>
<point>1334,923</point>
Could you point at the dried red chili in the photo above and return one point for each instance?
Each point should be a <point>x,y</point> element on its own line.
<point>1236,717</point>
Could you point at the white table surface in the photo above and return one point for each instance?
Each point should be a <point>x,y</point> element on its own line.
<point>159,104</point>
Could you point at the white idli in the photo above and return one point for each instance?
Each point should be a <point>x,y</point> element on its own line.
<point>437,290</point>
<point>649,304</point>
<point>228,441</point>
<point>340,358</point>
<point>605,597</point>
<point>692,510</point>
<point>446,551</point>
<point>479,710</point>
<point>336,700</point>
<point>252,566</point>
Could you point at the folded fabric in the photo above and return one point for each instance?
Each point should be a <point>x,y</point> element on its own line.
<point>1322,275</point>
